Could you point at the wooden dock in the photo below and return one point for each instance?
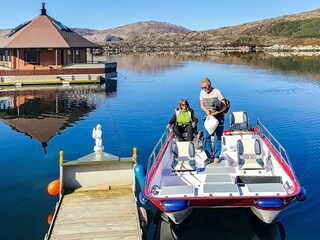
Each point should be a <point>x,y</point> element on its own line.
<point>72,74</point>
<point>97,200</point>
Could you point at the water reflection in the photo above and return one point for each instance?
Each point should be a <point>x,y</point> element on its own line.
<point>143,63</point>
<point>294,64</point>
<point>219,224</point>
<point>42,114</point>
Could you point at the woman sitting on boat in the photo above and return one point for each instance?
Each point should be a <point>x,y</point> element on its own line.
<point>184,121</point>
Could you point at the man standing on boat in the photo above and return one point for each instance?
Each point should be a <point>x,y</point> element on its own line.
<point>213,104</point>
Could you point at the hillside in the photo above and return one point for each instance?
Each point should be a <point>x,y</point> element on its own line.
<point>271,31</point>
<point>280,33</point>
<point>131,31</point>
<point>291,30</point>
<point>4,32</point>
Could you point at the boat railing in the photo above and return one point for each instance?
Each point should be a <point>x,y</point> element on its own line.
<point>282,152</point>
<point>157,149</point>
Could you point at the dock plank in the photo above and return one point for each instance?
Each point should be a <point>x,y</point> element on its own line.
<point>97,214</point>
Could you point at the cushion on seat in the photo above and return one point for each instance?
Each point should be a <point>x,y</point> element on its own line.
<point>183,156</point>
<point>239,121</point>
<point>249,154</point>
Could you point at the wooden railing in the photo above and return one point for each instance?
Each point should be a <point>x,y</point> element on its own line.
<point>52,72</point>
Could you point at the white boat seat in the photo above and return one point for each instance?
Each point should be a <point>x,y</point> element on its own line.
<point>249,154</point>
<point>239,121</point>
<point>183,156</point>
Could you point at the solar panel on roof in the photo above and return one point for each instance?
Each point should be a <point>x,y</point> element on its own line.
<point>60,25</point>
<point>16,29</point>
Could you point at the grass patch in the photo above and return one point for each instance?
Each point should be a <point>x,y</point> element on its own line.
<point>309,28</point>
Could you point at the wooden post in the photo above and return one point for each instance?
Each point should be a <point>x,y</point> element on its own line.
<point>61,158</point>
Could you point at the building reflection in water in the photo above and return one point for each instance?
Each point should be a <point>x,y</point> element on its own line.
<point>42,114</point>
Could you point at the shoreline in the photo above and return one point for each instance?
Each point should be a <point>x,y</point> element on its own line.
<point>307,50</point>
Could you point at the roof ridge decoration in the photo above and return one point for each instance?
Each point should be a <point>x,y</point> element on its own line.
<point>43,10</point>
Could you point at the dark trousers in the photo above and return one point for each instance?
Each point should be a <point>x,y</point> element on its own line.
<point>185,128</point>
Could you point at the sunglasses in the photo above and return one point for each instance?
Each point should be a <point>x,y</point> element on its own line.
<point>207,87</point>
<point>184,104</point>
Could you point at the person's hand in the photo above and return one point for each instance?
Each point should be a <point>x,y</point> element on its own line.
<point>168,126</point>
<point>194,124</point>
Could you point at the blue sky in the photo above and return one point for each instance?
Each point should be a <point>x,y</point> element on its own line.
<point>193,14</point>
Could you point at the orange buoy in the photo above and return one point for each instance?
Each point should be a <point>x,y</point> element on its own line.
<point>50,217</point>
<point>54,187</point>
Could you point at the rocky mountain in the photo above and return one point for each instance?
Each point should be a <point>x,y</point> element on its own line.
<point>130,31</point>
<point>280,33</point>
<point>294,29</point>
<point>3,32</point>
<point>85,31</point>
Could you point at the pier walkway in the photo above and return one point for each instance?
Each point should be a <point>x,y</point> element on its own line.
<point>97,200</point>
<point>97,214</point>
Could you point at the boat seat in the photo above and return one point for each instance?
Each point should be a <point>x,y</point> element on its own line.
<point>249,154</point>
<point>183,156</point>
<point>239,121</point>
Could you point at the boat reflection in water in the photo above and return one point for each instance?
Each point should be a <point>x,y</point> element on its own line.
<point>220,223</point>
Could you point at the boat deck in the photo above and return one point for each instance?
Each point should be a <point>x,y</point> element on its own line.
<point>97,214</point>
<point>227,179</point>
<point>220,180</point>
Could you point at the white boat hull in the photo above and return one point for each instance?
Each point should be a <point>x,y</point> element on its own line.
<point>179,216</point>
<point>266,216</point>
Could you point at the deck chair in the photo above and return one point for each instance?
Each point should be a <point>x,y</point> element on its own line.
<point>249,154</point>
<point>183,156</point>
<point>239,121</point>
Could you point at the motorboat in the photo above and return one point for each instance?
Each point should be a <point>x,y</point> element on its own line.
<point>254,171</point>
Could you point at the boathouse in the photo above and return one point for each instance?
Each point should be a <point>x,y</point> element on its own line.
<point>44,46</point>
<point>43,43</point>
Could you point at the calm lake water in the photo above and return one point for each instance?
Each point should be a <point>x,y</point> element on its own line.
<point>283,92</point>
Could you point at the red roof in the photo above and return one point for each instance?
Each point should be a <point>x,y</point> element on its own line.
<point>44,32</point>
